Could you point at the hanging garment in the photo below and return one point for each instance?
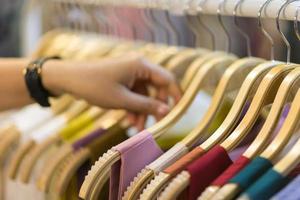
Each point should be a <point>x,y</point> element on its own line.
<point>136,153</point>
<point>251,172</point>
<point>243,161</point>
<point>187,159</point>
<point>98,143</point>
<point>205,169</point>
<point>290,192</point>
<point>266,186</point>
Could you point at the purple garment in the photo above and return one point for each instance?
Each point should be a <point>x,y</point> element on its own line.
<point>290,192</point>
<point>88,139</point>
<point>136,152</point>
<point>81,144</point>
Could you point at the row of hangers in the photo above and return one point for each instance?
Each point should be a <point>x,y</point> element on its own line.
<point>268,74</point>
<point>247,80</point>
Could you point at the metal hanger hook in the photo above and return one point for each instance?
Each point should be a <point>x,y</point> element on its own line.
<point>220,19</point>
<point>287,43</point>
<point>264,31</point>
<point>240,30</point>
<point>209,31</point>
<point>296,26</point>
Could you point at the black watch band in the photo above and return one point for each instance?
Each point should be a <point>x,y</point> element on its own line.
<point>33,80</point>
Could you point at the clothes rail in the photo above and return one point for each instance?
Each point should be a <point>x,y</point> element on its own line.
<point>249,8</point>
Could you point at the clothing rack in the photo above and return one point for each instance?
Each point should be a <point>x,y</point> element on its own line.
<point>248,8</point>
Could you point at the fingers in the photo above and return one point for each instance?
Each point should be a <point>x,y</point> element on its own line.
<point>139,103</point>
<point>161,78</point>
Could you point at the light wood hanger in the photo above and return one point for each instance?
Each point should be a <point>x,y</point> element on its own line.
<point>267,91</point>
<point>58,106</point>
<point>108,119</point>
<point>228,191</point>
<point>230,81</point>
<point>246,91</point>
<point>45,41</point>
<point>286,91</point>
<point>58,159</point>
<point>292,158</point>
<point>157,130</point>
<point>70,166</point>
<point>70,114</point>
<point>173,68</point>
<point>33,156</point>
<point>264,95</point>
<point>215,71</point>
<point>208,142</point>
<point>283,96</point>
<point>286,164</point>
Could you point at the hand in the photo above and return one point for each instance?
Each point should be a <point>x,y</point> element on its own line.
<point>119,83</point>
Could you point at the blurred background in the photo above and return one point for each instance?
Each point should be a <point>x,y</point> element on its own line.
<point>22,22</point>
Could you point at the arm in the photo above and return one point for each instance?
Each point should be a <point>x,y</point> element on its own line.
<point>13,91</point>
<point>119,83</point>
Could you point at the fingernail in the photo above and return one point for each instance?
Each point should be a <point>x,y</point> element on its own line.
<point>163,110</point>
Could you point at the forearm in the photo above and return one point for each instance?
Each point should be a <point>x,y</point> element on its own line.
<point>58,77</point>
<point>13,91</point>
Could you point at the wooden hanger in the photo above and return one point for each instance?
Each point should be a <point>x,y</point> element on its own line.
<point>75,161</point>
<point>45,42</point>
<point>245,93</point>
<point>142,178</point>
<point>283,96</point>
<point>260,98</point>
<point>35,154</point>
<point>30,161</point>
<point>292,158</point>
<point>108,119</point>
<point>229,81</point>
<point>58,105</point>
<point>228,191</point>
<point>71,113</point>
<point>264,95</point>
<point>157,130</point>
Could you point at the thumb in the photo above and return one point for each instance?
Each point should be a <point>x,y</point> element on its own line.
<point>138,103</point>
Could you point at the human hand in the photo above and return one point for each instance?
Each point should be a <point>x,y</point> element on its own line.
<point>119,83</point>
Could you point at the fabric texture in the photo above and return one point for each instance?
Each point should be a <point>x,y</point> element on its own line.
<point>266,186</point>
<point>243,161</point>
<point>181,164</point>
<point>169,157</point>
<point>136,153</point>
<point>75,125</point>
<point>290,192</point>
<point>88,138</point>
<point>205,169</point>
<point>251,173</point>
<point>230,172</point>
<point>98,142</point>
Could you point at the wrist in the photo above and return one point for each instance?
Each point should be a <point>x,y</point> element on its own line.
<point>52,76</point>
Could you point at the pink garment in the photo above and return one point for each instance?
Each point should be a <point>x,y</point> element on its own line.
<point>136,153</point>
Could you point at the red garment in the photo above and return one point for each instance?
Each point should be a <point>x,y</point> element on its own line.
<point>230,172</point>
<point>295,172</point>
<point>206,169</point>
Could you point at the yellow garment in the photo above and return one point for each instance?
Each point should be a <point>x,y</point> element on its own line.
<point>76,125</point>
